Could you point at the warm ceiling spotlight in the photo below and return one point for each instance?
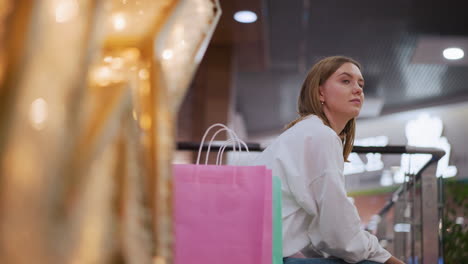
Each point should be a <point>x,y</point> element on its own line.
<point>453,53</point>
<point>245,16</point>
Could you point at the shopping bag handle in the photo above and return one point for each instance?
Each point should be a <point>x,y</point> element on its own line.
<point>219,158</point>
<point>224,128</point>
<point>233,139</point>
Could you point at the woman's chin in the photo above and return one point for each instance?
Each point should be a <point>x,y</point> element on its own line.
<point>355,114</point>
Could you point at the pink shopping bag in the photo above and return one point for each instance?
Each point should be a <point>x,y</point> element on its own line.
<point>222,214</point>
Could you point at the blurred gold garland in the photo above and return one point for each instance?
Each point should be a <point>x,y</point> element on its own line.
<point>89,91</point>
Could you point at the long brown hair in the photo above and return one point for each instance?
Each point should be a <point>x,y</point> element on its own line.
<point>309,98</point>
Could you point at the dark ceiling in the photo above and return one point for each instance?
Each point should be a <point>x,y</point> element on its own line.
<point>291,36</point>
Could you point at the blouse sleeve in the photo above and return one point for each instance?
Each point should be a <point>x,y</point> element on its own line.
<point>335,228</point>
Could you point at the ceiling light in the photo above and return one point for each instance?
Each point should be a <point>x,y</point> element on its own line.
<point>245,16</point>
<point>453,53</point>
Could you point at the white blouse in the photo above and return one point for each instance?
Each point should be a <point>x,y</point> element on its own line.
<point>316,212</point>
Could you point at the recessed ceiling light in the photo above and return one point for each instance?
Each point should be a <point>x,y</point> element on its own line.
<point>245,16</point>
<point>453,53</point>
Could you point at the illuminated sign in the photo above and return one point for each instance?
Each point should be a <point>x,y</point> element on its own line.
<point>425,131</point>
<point>374,160</point>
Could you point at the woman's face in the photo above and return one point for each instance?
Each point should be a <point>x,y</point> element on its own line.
<point>342,93</point>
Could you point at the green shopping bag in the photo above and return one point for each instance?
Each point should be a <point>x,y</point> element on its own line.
<point>277,223</point>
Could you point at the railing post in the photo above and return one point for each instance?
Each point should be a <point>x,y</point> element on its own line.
<point>429,215</point>
<point>399,238</point>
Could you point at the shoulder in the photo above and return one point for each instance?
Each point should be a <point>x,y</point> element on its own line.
<point>312,129</point>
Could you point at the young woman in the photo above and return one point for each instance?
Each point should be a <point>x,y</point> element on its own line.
<point>309,158</point>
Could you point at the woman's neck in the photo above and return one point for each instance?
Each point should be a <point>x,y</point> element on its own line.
<point>336,123</point>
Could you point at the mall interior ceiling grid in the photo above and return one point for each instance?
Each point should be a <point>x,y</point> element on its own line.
<point>382,35</point>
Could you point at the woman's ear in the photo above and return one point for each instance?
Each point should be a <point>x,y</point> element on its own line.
<point>321,96</point>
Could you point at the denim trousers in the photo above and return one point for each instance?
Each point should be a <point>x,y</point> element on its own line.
<point>321,261</point>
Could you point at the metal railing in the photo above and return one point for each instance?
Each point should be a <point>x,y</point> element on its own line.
<point>418,210</point>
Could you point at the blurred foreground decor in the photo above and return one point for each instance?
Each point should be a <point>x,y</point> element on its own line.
<point>89,91</point>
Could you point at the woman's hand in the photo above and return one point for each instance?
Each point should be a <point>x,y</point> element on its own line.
<point>393,260</point>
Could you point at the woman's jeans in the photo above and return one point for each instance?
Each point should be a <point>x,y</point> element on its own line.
<point>321,261</point>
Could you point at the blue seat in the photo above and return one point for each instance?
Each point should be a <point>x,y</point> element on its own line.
<point>321,261</point>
